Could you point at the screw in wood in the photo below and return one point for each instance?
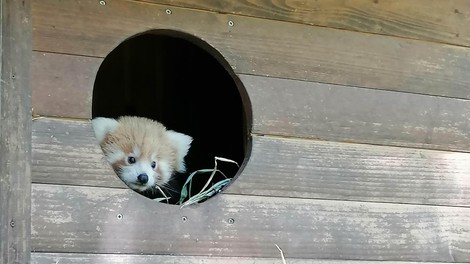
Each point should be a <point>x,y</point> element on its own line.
<point>230,23</point>
<point>103,3</point>
<point>184,219</point>
<point>168,11</point>
<point>119,216</point>
<point>12,223</point>
<point>231,221</point>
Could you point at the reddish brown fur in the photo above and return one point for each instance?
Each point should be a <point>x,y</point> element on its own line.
<point>146,141</point>
<point>149,136</point>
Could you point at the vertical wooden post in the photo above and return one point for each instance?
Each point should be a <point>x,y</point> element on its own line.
<point>15,131</point>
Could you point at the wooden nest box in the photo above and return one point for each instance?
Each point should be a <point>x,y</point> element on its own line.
<point>350,119</point>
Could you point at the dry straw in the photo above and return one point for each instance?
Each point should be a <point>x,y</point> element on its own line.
<point>203,194</point>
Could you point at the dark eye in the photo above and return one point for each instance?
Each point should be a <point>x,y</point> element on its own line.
<point>131,160</point>
<point>154,164</point>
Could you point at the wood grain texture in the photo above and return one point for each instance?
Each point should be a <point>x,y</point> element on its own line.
<point>262,47</point>
<point>290,108</point>
<point>331,112</point>
<point>431,20</point>
<point>15,131</point>
<point>76,258</point>
<point>64,152</point>
<point>84,219</point>
<point>60,88</point>
<point>340,171</point>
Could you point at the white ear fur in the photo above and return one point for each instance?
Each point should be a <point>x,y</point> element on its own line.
<point>182,143</point>
<point>104,126</point>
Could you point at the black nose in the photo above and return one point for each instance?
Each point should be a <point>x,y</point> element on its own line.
<point>143,178</point>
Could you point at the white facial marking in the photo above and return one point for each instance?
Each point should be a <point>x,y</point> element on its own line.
<point>102,126</point>
<point>165,170</point>
<point>182,143</point>
<point>136,151</point>
<point>130,173</point>
<point>114,156</point>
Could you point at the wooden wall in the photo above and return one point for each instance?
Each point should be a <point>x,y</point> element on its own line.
<point>15,131</point>
<point>361,134</point>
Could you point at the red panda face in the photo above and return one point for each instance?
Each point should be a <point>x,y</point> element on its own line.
<point>139,171</point>
<point>142,152</point>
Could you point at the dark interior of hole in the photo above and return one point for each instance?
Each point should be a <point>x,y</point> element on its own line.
<point>178,83</point>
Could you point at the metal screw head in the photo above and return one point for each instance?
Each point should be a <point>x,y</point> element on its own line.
<point>119,216</point>
<point>168,11</point>
<point>12,223</point>
<point>231,220</point>
<point>102,2</point>
<point>230,23</point>
<point>184,219</point>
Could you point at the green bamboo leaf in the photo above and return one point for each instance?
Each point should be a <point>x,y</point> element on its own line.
<point>214,189</point>
<point>184,190</point>
<point>203,193</point>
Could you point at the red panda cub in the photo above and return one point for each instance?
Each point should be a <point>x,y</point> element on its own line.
<point>142,152</point>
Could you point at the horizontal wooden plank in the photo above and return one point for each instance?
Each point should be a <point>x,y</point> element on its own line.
<point>306,109</point>
<point>62,84</point>
<point>287,107</point>
<point>432,20</point>
<point>332,112</point>
<point>64,152</point>
<point>102,220</point>
<point>328,170</point>
<point>77,258</point>
<point>260,46</point>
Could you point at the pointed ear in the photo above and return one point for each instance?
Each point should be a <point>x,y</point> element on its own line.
<point>103,126</point>
<point>182,143</point>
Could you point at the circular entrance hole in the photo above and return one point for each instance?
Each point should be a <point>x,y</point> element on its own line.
<point>182,82</point>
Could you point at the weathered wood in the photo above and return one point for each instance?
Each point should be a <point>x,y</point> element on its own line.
<point>306,109</point>
<point>332,112</point>
<point>101,220</point>
<point>432,20</point>
<point>328,170</point>
<point>64,152</point>
<point>76,258</point>
<point>262,47</point>
<point>60,88</point>
<point>15,131</point>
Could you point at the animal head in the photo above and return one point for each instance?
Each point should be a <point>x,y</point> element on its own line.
<point>142,152</point>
